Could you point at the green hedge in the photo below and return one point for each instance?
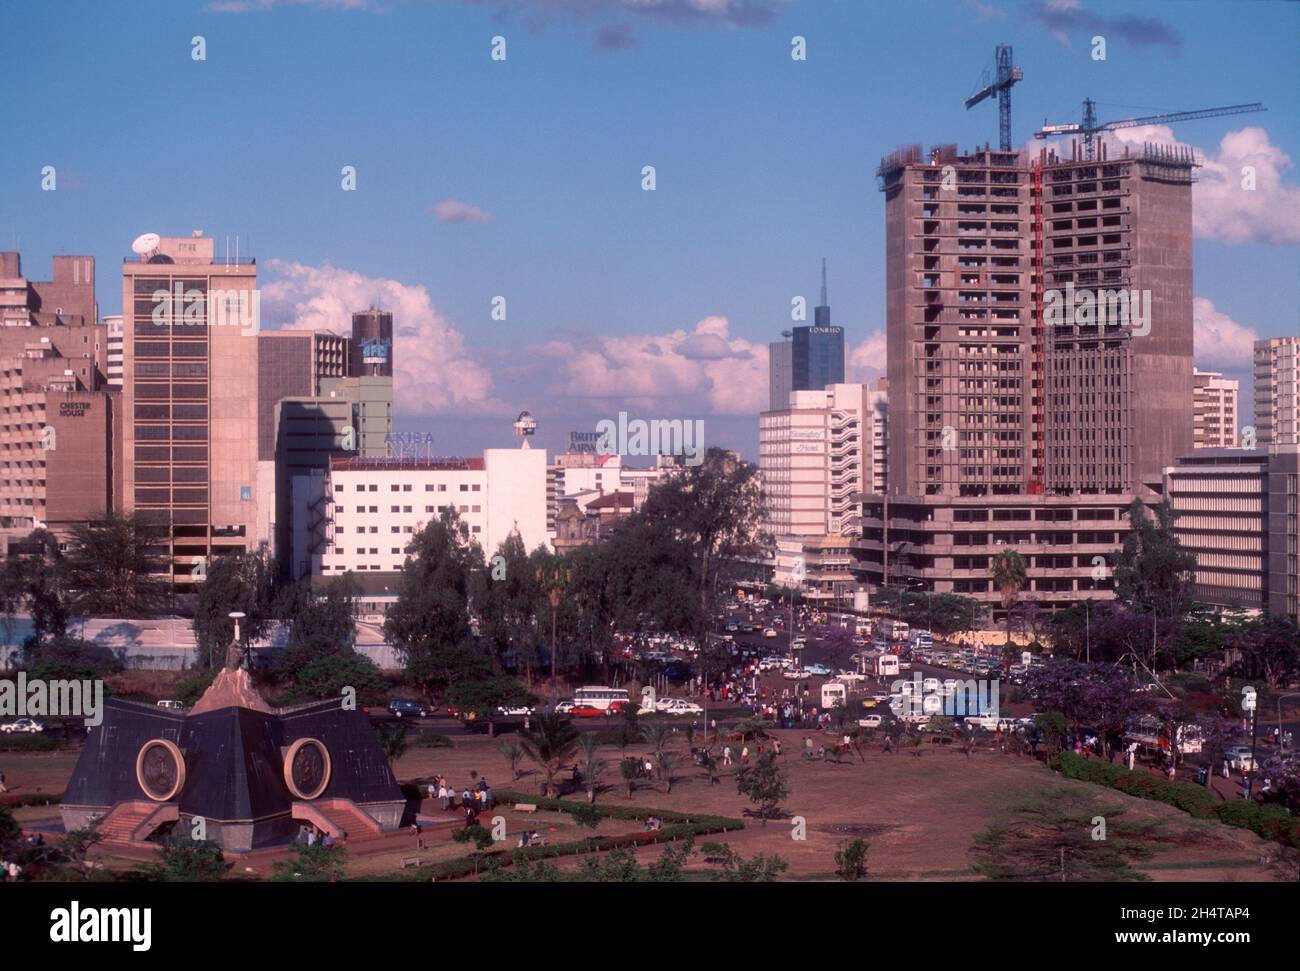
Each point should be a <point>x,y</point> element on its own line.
<point>10,742</point>
<point>1271,822</point>
<point>677,826</point>
<point>12,800</point>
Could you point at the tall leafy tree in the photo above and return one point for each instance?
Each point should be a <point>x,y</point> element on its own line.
<point>1270,648</point>
<point>238,582</point>
<point>714,512</point>
<point>43,573</point>
<point>115,566</point>
<point>318,626</point>
<point>430,622</point>
<point>506,603</point>
<point>1154,575</point>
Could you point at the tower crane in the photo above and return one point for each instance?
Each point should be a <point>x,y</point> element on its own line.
<point>1090,129</point>
<point>1001,84</point>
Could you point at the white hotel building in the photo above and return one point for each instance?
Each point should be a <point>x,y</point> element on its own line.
<point>375,506</point>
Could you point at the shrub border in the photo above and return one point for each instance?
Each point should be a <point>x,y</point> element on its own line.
<point>683,826</point>
<point>1270,822</point>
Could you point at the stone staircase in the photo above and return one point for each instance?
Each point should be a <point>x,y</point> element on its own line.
<point>339,816</point>
<point>133,821</point>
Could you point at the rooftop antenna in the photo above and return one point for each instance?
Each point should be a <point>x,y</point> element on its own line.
<point>824,282</point>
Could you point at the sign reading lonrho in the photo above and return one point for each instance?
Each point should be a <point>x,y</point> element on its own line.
<point>179,307</point>
<point>655,437</point>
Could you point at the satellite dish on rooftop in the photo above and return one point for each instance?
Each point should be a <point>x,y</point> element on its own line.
<point>146,243</point>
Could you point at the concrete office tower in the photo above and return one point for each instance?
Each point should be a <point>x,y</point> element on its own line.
<point>1277,384</point>
<point>190,399</point>
<point>986,400</point>
<point>817,455</point>
<point>780,381</point>
<point>57,424</point>
<point>1284,530</point>
<point>1239,512</point>
<point>372,343</point>
<point>113,339</point>
<point>1214,406</point>
<point>1221,497</point>
<point>291,364</point>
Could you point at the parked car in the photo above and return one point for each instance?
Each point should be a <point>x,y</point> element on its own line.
<point>563,707</point>
<point>24,726</point>
<point>591,711</point>
<point>870,721</point>
<point>405,707</point>
<point>680,707</point>
<point>914,718</point>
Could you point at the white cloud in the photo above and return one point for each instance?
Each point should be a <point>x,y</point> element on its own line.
<point>1222,208</point>
<point>1218,341</point>
<point>457,211</point>
<point>701,372</point>
<point>866,362</point>
<point>433,370</point>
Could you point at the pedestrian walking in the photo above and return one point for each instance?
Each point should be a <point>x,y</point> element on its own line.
<point>3,787</point>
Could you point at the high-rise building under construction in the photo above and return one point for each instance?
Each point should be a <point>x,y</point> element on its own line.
<point>1039,320</point>
<point>1039,340</point>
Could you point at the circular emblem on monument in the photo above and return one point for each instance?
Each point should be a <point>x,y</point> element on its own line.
<point>160,769</point>
<point>307,768</point>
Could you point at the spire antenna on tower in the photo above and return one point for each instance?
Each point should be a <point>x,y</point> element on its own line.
<point>824,304</point>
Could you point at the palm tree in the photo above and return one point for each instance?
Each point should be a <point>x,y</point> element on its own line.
<point>1008,572</point>
<point>667,762</point>
<point>553,577</point>
<point>658,734</point>
<point>593,766</point>
<point>514,754</point>
<point>550,745</point>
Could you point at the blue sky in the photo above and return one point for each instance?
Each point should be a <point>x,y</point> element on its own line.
<point>763,166</point>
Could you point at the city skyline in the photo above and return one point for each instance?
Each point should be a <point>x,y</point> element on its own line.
<point>618,298</point>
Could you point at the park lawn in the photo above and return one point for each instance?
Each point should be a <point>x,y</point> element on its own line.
<point>920,814</point>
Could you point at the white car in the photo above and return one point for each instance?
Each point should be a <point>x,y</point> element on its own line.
<point>870,721</point>
<point>820,670</point>
<point>680,707</point>
<point>769,632</point>
<point>516,712</point>
<point>794,675</point>
<point>25,726</point>
<point>172,705</point>
<point>563,707</point>
<point>914,718</point>
<point>930,684</point>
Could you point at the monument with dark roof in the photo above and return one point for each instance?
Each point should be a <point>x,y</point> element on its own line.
<point>252,773</point>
